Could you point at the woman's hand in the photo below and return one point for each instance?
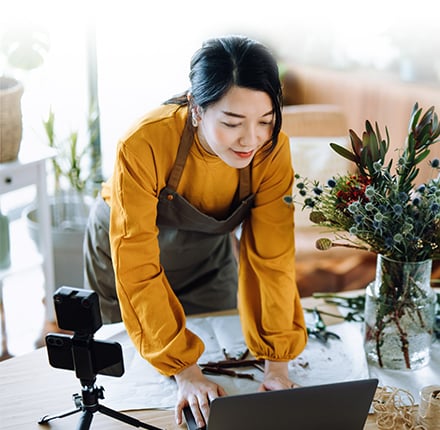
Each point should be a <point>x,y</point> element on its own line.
<point>196,391</point>
<point>276,377</point>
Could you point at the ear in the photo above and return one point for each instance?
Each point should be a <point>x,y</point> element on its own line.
<point>195,109</point>
<point>196,112</point>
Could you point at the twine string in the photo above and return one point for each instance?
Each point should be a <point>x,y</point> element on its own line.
<point>395,409</point>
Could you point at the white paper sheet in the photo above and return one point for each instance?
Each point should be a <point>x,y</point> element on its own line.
<point>142,387</point>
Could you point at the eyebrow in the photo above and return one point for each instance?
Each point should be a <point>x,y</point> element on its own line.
<point>236,115</point>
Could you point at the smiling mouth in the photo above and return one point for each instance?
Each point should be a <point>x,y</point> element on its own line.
<point>242,154</point>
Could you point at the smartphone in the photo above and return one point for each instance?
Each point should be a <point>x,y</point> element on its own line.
<point>67,352</point>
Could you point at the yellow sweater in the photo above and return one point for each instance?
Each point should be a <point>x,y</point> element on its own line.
<point>268,299</point>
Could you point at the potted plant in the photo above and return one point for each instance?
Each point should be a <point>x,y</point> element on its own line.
<point>22,49</point>
<point>72,173</point>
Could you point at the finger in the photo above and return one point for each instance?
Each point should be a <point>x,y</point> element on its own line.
<point>178,411</point>
<point>197,412</point>
<point>273,385</point>
<point>262,388</point>
<point>221,391</point>
<point>204,408</point>
<point>178,415</point>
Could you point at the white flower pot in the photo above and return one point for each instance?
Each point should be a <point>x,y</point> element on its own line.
<point>67,240</point>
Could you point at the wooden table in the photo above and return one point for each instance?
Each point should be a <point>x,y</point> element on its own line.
<point>30,389</point>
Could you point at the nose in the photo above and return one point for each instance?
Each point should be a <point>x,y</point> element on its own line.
<point>250,138</point>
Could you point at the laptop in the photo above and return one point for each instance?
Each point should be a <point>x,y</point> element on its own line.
<point>336,406</point>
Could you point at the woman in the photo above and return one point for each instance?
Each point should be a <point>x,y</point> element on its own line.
<point>185,176</point>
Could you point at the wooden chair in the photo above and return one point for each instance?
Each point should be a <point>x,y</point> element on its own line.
<point>314,120</point>
<point>311,128</point>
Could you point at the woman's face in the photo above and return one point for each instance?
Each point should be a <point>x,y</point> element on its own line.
<point>235,127</point>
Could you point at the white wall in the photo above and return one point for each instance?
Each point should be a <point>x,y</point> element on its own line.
<point>144,47</point>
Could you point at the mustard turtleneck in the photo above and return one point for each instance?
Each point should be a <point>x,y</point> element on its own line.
<point>269,302</point>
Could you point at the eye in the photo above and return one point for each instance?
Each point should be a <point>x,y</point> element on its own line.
<point>231,125</point>
<point>266,123</point>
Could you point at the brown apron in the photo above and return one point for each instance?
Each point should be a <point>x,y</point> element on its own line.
<point>195,249</point>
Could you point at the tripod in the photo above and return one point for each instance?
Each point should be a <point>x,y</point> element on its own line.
<point>78,311</point>
<point>88,404</point>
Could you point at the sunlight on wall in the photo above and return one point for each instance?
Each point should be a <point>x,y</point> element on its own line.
<point>144,48</point>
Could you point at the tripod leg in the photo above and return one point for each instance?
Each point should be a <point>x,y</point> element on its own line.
<point>48,418</point>
<point>85,420</point>
<point>125,418</point>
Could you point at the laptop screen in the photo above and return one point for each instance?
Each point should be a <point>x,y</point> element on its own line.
<point>342,406</point>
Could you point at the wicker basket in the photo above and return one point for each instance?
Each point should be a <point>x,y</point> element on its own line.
<point>10,118</point>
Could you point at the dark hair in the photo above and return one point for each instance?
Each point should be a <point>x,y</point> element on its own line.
<point>234,60</point>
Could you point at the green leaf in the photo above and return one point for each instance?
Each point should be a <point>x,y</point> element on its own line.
<point>379,137</point>
<point>356,142</point>
<point>25,47</point>
<point>427,117</point>
<point>343,152</point>
<point>365,162</point>
<point>421,156</point>
<point>373,145</point>
<point>383,149</point>
<point>415,115</point>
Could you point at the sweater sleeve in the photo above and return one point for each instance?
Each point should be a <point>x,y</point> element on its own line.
<point>153,316</point>
<point>271,313</point>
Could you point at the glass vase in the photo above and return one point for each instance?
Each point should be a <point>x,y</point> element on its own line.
<point>399,314</point>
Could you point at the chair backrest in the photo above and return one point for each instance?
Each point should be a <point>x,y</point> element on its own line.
<point>311,129</point>
<point>314,120</point>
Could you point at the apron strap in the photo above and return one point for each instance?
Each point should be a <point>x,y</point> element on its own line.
<point>245,187</point>
<point>186,141</point>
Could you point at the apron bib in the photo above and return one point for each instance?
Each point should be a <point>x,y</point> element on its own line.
<point>195,248</point>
